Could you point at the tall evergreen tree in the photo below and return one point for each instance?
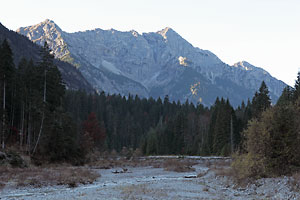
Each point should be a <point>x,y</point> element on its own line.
<point>261,100</point>
<point>297,87</point>
<point>53,91</point>
<point>7,70</point>
<point>286,97</point>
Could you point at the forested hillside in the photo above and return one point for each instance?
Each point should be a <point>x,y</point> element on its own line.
<point>45,121</point>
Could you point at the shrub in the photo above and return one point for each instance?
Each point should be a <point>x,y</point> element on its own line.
<point>13,159</point>
<point>247,166</point>
<point>272,145</point>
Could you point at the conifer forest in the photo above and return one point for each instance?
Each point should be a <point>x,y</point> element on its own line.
<point>49,123</point>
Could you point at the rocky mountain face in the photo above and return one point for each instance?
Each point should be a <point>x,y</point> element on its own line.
<point>24,48</point>
<point>152,64</point>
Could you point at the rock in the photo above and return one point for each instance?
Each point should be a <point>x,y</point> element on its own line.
<point>190,176</point>
<point>152,64</point>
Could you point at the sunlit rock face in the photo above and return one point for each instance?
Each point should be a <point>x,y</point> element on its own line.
<point>152,64</point>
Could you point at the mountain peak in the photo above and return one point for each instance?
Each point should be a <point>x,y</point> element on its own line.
<point>164,32</point>
<point>46,31</point>
<point>244,65</point>
<point>134,33</point>
<point>51,23</point>
<point>47,23</point>
<point>152,64</point>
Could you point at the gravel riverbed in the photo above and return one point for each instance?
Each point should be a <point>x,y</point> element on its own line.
<point>156,183</point>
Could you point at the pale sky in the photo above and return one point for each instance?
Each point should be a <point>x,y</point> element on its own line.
<point>266,33</point>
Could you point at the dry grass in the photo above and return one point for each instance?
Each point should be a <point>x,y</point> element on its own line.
<point>169,164</point>
<point>220,167</point>
<point>178,165</point>
<point>138,191</point>
<point>207,163</point>
<point>157,164</point>
<point>224,171</point>
<point>108,163</point>
<point>119,162</point>
<point>222,162</point>
<point>294,182</point>
<point>38,177</point>
<point>201,174</point>
<point>218,163</point>
<point>232,175</point>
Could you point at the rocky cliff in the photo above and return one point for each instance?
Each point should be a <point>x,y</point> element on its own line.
<point>152,64</point>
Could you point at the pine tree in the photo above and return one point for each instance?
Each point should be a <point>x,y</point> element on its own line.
<point>286,97</point>
<point>7,70</point>
<point>45,64</point>
<point>56,88</point>
<point>261,100</point>
<point>52,92</point>
<point>297,87</point>
<point>222,131</point>
<point>22,96</point>
<point>152,142</point>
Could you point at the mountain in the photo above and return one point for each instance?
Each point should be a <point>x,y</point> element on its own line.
<point>152,64</point>
<point>24,48</point>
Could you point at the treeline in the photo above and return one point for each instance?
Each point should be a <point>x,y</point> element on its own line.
<point>49,123</point>
<point>159,126</point>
